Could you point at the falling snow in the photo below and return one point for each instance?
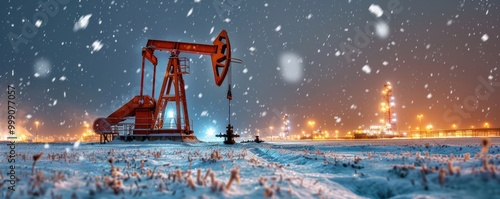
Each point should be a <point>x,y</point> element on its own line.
<point>278,28</point>
<point>38,23</point>
<point>190,12</point>
<point>82,23</point>
<point>366,69</point>
<point>376,10</point>
<point>485,38</point>
<point>382,30</point>
<point>96,46</point>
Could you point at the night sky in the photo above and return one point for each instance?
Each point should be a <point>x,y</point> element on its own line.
<point>325,61</point>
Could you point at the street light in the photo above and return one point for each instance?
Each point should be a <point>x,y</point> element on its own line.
<point>85,128</point>
<point>420,119</point>
<point>454,126</point>
<point>486,125</point>
<point>429,127</point>
<point>36,127</point>
<point>311,123</point>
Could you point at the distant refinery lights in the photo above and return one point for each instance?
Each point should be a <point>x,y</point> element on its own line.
<point>285,129</point>
<point>387,107</point>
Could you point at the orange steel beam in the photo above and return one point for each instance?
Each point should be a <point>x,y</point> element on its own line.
<point>220,52</point>
<point>148,54</point>
<point>182,47</point>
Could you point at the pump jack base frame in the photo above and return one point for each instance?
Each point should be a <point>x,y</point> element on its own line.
<point>149,137</point>
<point>183,138</point>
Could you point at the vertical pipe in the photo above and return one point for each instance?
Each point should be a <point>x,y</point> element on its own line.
<point>142,75</point>
<point>177,74</point>
<point>230,95</point>
<point>154,81</point>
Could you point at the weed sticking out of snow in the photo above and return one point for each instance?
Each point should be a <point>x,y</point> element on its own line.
<point>485,145</point>
<point>35,159</point>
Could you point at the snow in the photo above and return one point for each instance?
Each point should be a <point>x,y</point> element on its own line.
<point>449,22</point>
<point>337,119</point>
<point>291,67</point>
<point>96,46</point>
<point>366,69</point>
<point>485,38</point>
<point>42,67</point>
<point>190,12</point>
<point>38,23</point>
<point>376,10</point>
<point>82,23</point>
<point>278,28</point>
<point>382,30</point>
<point>389,168</point>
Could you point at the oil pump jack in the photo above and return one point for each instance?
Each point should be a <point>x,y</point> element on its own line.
<point>148,112</point>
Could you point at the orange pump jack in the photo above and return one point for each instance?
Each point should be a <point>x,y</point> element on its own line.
<point>148,112</point>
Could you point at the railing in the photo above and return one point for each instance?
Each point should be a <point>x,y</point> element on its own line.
<point>184,65</point>
<point>128,128</point>
<point>484,132</point>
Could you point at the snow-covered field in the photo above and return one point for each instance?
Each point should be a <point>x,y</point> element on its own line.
<point>437,168</point>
